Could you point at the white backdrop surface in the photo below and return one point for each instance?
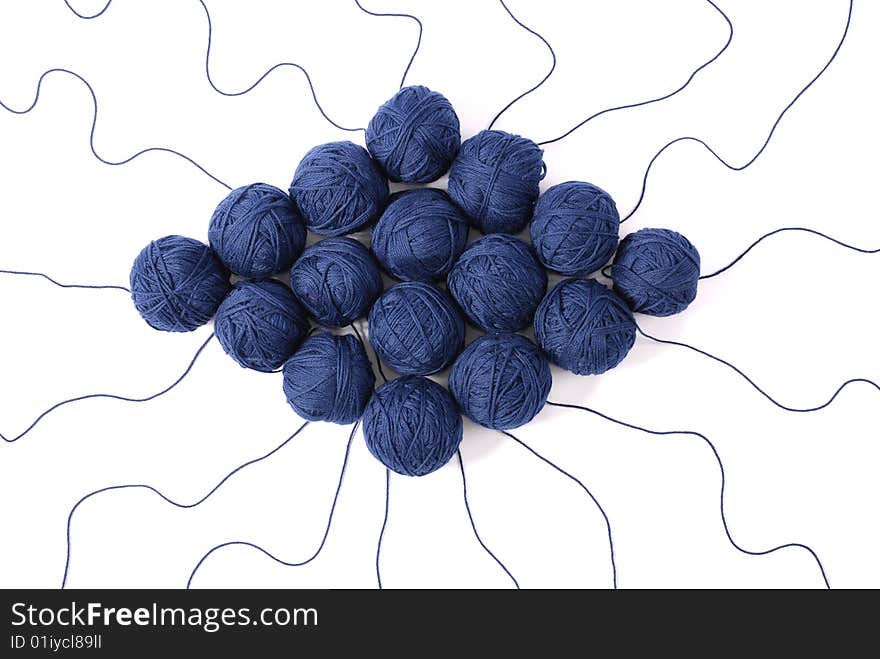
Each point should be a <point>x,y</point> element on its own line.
<point>798,314</point>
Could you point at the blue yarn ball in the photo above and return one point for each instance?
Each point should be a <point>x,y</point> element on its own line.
<point>420,235</point>
<point>416,328</point>
<point>412,426</point>
<point>495,180</point>
<point>414,136</point>
<point>584,327</point>
<point>501,381</point>
<point>337,280</point>
<point>498,283</point>
<point>575,228</point>
<point>256,231</point>
<point>338,188</point>
<point>656,271</point>
<point>260,324</point>
<point>177,284</point>
<point>329,378</point>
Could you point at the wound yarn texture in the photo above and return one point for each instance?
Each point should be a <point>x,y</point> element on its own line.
<point>338,188</point>
<point>412,426</point>
<point>329,378</point>
<point>501,381</point>
<point>495,178</point>
<point>419,235</point>
<point>416,329</point>
<point>575,228</point>
<point>257,231</point>
<point>584,327</point>
<point>498,283</point>
<point>337,280</point>
<point>415,135</point>
<point>260,324</point>
<point>656,271</point>
<point>177,283</point>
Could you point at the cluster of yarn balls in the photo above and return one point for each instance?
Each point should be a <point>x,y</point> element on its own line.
<point>419,237</point>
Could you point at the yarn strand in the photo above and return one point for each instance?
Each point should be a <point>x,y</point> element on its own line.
<point>783,230</point>
<point>543,80</point>
<point>584,488</point>
<point>280,561</point>
<point>474,525</point>
<point>264,76</point>
<point>742,374</point>
<point>274,67</point>
<point>62,285</point>
<point>715,453</point>
<point>367,347</point>
<point>739,168</point>
<point>165,497</point>
<point>384,524</point>
<point>86,17</point>
<point>469,514</point>
<point>418,41</point>
<point>126,399</point>
<point>114,163</point>
<point>659,98</point>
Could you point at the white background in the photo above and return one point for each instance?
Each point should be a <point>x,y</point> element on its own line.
<point>798,314</point>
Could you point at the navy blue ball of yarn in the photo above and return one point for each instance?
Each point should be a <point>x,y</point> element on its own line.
<point>416,328</point>
<point>329,378</point>
<point>414,135</point>
<point>412,426</point>
<point>656,271</point>
<point>260,324</point>
<point>177,283</point>
<point>495,180</point>
<point>498,283</point>
<point>420,235</point>
<point>501,381</point>
<point>584,327</point>
<point>338,188</point>
<point>337,280</point>
<point>256,231</point>
<point>575,228</point>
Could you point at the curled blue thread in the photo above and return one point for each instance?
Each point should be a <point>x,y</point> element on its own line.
<point>125,399</point>
<point>742,374</point>
<point>166,498</point>
<point>418,42</point>
<point>87,17</point>
<point>115,163</point>
<point>62,285</point>
<point>470,518</point>
<point>543,80</point>
<point>269,554</point>
<point>474,525</point>
<point>783,230</point>
<point>694,433</point>
<point>739,168</point>
<point>387,471</point>
<point>369,346</point>
<point>384,525</point>
<point>276,66</point>
<point>659,98</point>
<point>583,487</point>
<point>266,75</point>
